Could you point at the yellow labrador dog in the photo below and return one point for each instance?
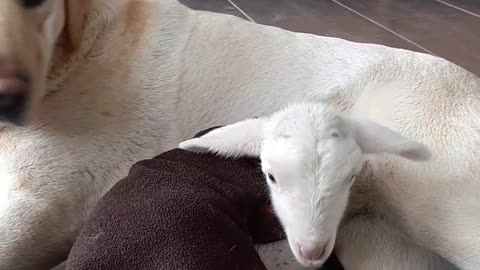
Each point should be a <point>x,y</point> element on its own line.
<point>88,87</point>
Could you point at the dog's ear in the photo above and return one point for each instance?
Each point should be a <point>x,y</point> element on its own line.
<point>75,12</point>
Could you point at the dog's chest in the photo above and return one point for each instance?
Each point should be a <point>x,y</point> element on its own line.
<point>6,180</point>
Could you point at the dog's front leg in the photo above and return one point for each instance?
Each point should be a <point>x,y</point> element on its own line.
<point>34,232</point>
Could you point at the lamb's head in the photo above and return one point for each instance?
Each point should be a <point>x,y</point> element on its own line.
<point>310,155</point>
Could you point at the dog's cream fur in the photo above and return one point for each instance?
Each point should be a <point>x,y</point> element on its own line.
<point>135,77</point>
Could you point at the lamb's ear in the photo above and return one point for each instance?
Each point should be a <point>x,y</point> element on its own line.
<point>374,138</point>
<point>236,140</point>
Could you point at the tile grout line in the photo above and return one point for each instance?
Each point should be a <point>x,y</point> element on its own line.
<point>241,11</point>
<point>384,27</point>
<point>459,8</point>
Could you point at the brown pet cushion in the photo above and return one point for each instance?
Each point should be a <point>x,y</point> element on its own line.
<point>181,210</point>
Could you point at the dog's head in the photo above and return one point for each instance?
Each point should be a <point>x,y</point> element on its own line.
<point>30,30</point>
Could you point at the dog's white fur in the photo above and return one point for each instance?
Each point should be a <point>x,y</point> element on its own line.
<point>138,76</point>
<point>310,155</point>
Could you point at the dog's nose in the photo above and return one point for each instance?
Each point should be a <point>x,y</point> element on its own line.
<point>14,88</point>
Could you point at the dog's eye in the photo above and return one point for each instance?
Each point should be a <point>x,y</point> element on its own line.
<point>32,3</point>
<point>272,179</point>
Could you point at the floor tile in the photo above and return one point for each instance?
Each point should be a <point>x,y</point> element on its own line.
<point>219,6</point>
<point>322,17</point>
<point>445,31</point>
<point>469,5</point>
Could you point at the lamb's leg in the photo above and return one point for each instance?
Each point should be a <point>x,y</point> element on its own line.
<point>33,233</point>
<point>278,256</point>
<point>369,244</point>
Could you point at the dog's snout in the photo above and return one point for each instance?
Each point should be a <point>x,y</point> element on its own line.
<point>14,90</point>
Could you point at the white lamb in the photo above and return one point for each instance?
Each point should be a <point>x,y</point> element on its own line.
<point>311,155</point>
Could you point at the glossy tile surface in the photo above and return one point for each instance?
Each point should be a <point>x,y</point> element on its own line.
<point>320,17</point>
<point>472,6</point>
<point>439,28</point>
<point>219,6</point>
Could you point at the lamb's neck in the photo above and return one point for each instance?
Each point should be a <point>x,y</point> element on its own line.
<point>365,198</point>
<point>368,201</point>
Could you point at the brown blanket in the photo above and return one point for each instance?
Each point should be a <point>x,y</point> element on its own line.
<point>178,211</point>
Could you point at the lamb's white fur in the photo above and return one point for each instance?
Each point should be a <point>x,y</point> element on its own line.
<point>151,73</point>
<point>312,153</point>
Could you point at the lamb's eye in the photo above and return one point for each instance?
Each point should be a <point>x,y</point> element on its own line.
<point>32,3</point>
<point>271,178</point>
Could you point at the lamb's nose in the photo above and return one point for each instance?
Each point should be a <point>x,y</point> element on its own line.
<point>312,254</point>
<point>14,90</point>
